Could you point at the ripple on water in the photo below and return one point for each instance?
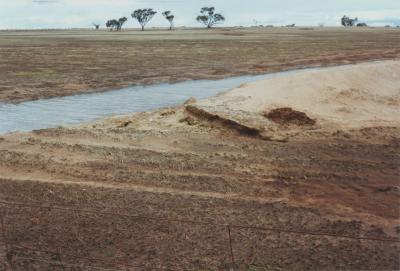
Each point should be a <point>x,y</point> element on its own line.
<point>81,108</point>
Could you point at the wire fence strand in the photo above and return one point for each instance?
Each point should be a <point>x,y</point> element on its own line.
<point>12,249</point>
<point>203,223</point>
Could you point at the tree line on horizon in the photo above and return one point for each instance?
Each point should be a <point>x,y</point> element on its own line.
<point>208,17</point>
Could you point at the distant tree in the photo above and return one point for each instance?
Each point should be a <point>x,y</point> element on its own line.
<point>96,26</point>
<point>121,22</point>
<point>170,17</point>
<point>362,25</point>
<point>209,18</point>
<point>143,16</point>
<point>347,21</point>
<point>116,24</point>
<point>112,24</point>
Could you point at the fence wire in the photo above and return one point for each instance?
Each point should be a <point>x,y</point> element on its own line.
<point>11,248</point>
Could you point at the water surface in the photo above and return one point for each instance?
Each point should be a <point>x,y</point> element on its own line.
<point>81,108</point>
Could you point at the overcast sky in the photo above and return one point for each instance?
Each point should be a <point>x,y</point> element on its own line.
<point>23,14</point>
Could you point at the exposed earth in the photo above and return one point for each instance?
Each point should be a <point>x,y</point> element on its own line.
<point>43,64</point>
<point>289,163</point>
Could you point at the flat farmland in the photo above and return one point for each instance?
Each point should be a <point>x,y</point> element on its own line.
<point>297,171</point>
<point>43,64</point>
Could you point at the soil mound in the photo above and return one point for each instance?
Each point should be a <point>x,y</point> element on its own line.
<point>286,115</point>
<point>224,123</point>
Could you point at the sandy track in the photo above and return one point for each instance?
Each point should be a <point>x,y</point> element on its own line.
<point>136,188</point>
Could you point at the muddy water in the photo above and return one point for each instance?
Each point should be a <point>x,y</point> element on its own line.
<point>77,109</point>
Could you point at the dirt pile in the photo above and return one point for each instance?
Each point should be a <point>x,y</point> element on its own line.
<point>339,98</point>
<point>288,116</point>
<point>223,123</point>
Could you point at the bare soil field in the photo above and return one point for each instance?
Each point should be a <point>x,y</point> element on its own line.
<point>253,179</point>
<point>42,64</point>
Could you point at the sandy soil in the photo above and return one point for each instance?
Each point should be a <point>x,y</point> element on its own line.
<point>327,162</point>
<point>345,97</point>
<point>43,64</point>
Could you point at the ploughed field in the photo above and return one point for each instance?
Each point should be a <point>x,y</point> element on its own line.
<point>233,181</point>
<point>42,64</point>
<point>131,198</point>
<point>291,173</point>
